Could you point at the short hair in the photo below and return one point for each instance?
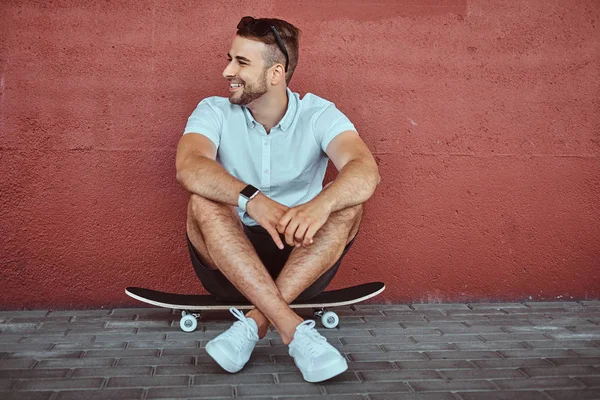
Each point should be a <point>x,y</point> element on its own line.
<point>273,55</point>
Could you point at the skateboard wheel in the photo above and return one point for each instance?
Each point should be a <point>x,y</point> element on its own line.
<point>330,319</point>
<point>188,323</point>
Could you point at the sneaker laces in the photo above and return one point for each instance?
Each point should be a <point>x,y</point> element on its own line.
<point>311,339</point>
<point>240,328</point>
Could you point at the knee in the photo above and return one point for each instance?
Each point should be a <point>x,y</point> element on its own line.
<point>196,205</point>
<point>200,208</point>
<point>350,213</point>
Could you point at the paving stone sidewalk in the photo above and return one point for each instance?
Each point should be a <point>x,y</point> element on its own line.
<point>421,351</point>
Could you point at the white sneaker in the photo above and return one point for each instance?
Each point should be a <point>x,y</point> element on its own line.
<point>232,348</point>
<point>316,359</point>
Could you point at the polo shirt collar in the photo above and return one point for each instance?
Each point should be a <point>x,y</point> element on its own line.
<point>287,119</point>
<point>250,121</point>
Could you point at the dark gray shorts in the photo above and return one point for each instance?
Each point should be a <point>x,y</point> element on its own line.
<point>274,260</point>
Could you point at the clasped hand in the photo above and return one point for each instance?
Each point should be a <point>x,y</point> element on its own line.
<point>299,224</point>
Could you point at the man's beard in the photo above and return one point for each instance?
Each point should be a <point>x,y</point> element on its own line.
<point>250,93</point>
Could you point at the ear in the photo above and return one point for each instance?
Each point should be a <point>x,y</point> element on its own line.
<point>277,74</point>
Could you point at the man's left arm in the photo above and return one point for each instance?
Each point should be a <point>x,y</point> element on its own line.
<point>357,178</point>
<point>358,175</point>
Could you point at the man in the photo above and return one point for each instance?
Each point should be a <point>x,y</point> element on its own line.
<point>260,225</point>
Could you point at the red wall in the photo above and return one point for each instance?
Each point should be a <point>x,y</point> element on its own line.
<point>483,116</point>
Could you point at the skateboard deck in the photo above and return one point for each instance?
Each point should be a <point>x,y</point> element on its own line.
<point>199,302</point>
<point>192,304</point>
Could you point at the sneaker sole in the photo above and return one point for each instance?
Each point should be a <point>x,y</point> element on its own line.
<point>326,373</point>
<point>223,361</point>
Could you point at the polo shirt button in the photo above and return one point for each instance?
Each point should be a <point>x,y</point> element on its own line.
<point>266,171</point>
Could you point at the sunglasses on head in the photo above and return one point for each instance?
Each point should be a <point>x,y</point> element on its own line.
<point>262,28</point>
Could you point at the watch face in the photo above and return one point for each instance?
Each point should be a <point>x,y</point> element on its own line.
<point>248,191</point>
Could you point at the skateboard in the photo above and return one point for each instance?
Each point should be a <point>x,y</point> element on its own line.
<point>192,304</point>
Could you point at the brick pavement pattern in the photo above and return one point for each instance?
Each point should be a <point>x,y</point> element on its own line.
<point>420,351</point>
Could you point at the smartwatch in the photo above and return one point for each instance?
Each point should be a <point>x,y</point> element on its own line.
<point>246,195</point>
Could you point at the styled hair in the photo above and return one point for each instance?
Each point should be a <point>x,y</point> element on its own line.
<point>273,55</point>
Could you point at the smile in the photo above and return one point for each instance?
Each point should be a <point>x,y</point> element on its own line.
<point>233,87</point>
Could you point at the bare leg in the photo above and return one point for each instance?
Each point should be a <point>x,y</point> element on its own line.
<point>222,242</point>
<point>306,265</point>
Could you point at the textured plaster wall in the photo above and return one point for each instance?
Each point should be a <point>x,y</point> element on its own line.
<point>483,116</point>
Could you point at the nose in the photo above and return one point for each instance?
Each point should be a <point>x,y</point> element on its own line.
<point>229,71</point>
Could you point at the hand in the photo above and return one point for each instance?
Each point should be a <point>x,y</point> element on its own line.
<point>267,213</point>
<point>301,223</point>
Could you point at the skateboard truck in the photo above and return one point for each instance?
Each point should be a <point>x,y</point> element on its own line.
<point>189,321</point>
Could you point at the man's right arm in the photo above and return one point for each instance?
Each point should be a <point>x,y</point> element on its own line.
<point>199,173</point>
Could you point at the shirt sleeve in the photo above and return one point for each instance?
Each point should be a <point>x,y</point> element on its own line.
<point>330,123</point>
<point>206,121</point>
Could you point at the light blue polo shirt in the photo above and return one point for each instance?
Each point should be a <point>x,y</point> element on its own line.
<point>288,164</point>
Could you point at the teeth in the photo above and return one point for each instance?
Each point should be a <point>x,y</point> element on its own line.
<point>236,85</point>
